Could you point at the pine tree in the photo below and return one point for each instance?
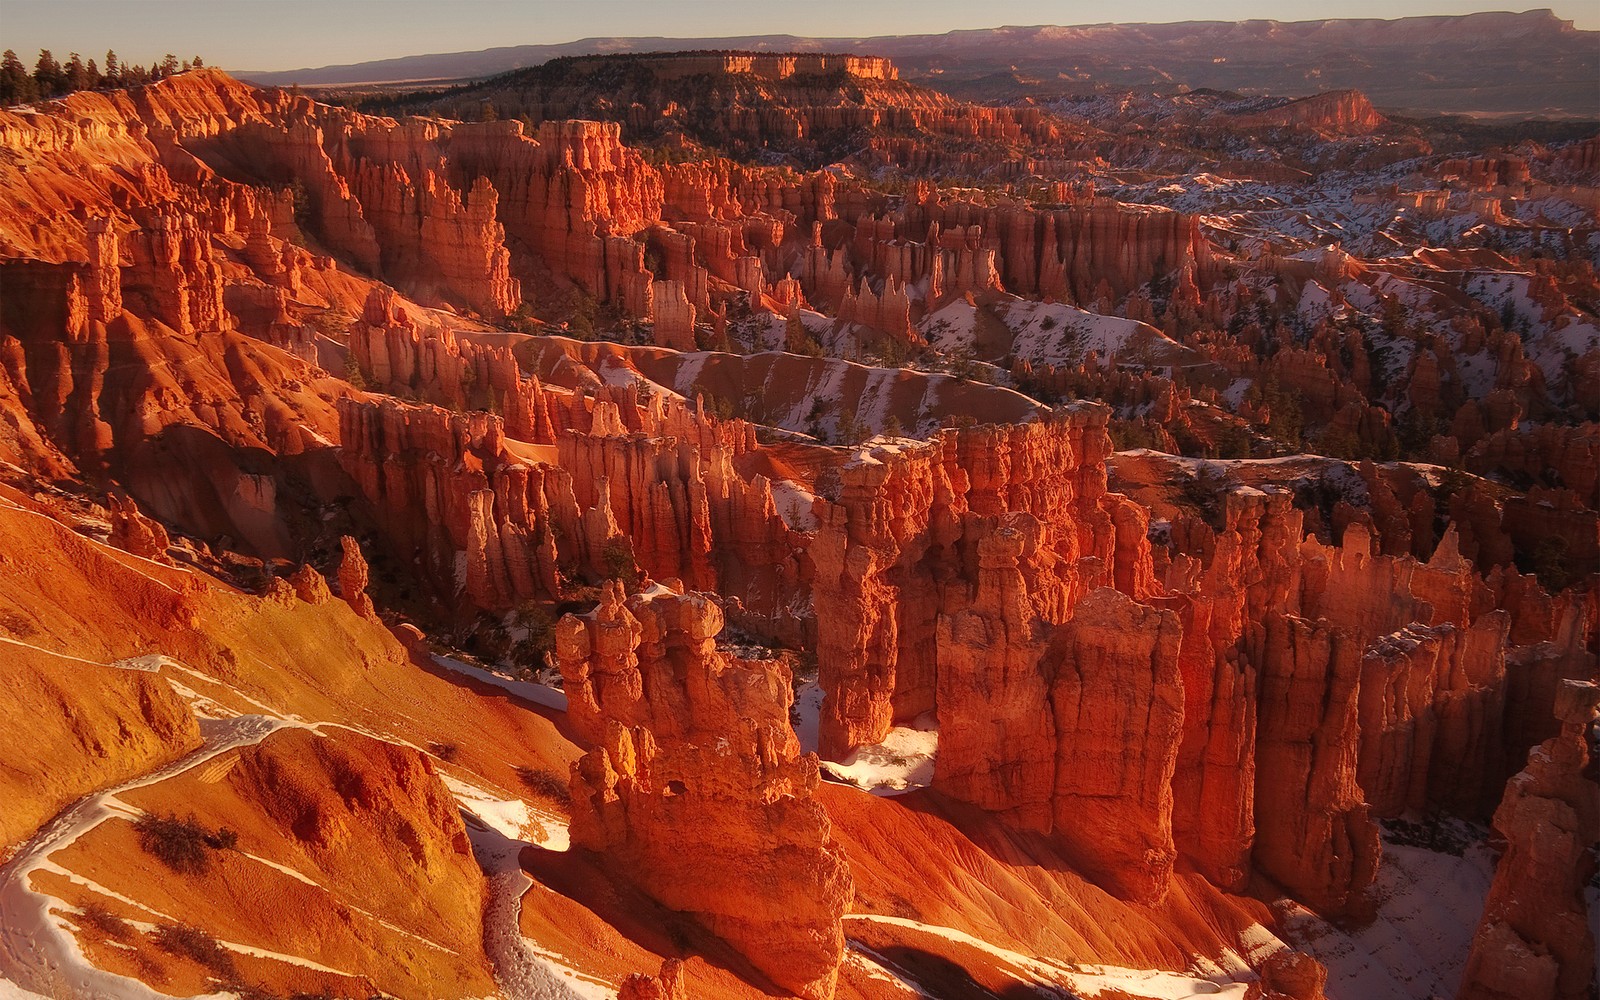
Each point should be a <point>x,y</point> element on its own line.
<point>198,64</point>
<point>16,86</point>
<point>169,64</point>
<point>47,74</point>
<point>77,74</point>
<point>113,68</point>
<point>94,75</point>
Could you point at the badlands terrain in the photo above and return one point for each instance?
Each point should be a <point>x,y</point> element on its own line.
<point>732,525</point>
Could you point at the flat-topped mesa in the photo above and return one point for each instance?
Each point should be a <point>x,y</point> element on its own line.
<point>697,791</point>
<point>766,66</point>
<point>1340,111</point>
<point>1535,941</point>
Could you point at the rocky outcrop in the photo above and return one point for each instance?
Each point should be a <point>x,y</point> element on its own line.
<point>1224,580</point>
<point>665,985</point>
<point>1313,831</point>
<point>132,532</point>
<point>895,534</point>
<point>1117,698</point>
<point>353,578</point>
<point>1335,111</point>
<point>1036,722</point>
<point>997,728</point>
<point>1434,718</point>
<point>697,791</point>
<point>1534,941</point>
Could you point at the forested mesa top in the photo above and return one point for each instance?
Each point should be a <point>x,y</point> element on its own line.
<point>50,78</point>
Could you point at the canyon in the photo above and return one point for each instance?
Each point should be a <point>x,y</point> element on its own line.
<point>793,532</point>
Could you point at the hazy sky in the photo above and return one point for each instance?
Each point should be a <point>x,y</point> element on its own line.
<point>290,34</point>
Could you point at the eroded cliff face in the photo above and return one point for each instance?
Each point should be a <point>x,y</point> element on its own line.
<point>895,546</point>
<point>1117,686</point>
<point>1313,830</point>
<point>1142,700</point>
<point>696,790</point>
<point>613,485</point>
<point>1285,693</point>
<point>1535,939</point>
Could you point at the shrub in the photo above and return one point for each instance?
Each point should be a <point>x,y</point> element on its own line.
<point>180,844</point>
<point>619,561</point>
<point>107,923</point>
<point>447,752</point>
<point>545,784</point>
<point>195,945</point>
<point>353,373</point>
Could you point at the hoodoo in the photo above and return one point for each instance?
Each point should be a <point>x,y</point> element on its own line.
<point>833,524</point>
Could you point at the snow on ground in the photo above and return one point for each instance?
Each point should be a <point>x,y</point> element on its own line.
<point>513,819</point>
<point>36,948</point>
<point>1428,907</point>
<point>875,966</point>
<point>62,656</point>
<point>902,762</point>
<point>806,714</point>
<point>1236,392</point>
<point>794,504</point>
<point>1053,333</point>
<point>522,970</point>
<point>953,327</point>
<point>539,694</point>
<point>1550,344</point>
<point>1084,981</point>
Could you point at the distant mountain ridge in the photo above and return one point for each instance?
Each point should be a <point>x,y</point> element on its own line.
<point>1534,62</point>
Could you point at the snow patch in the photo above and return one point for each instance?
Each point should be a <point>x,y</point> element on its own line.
<point>521,969</point>
<point>539,694</point>
<point>793,502</point>
<point>902,762</point>
<point>1085,981</point>
<point>36,947</point>
<point>1428,907</point>
<point>513,819</point>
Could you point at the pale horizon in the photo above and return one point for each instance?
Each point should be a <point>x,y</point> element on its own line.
<point>278,35</point>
